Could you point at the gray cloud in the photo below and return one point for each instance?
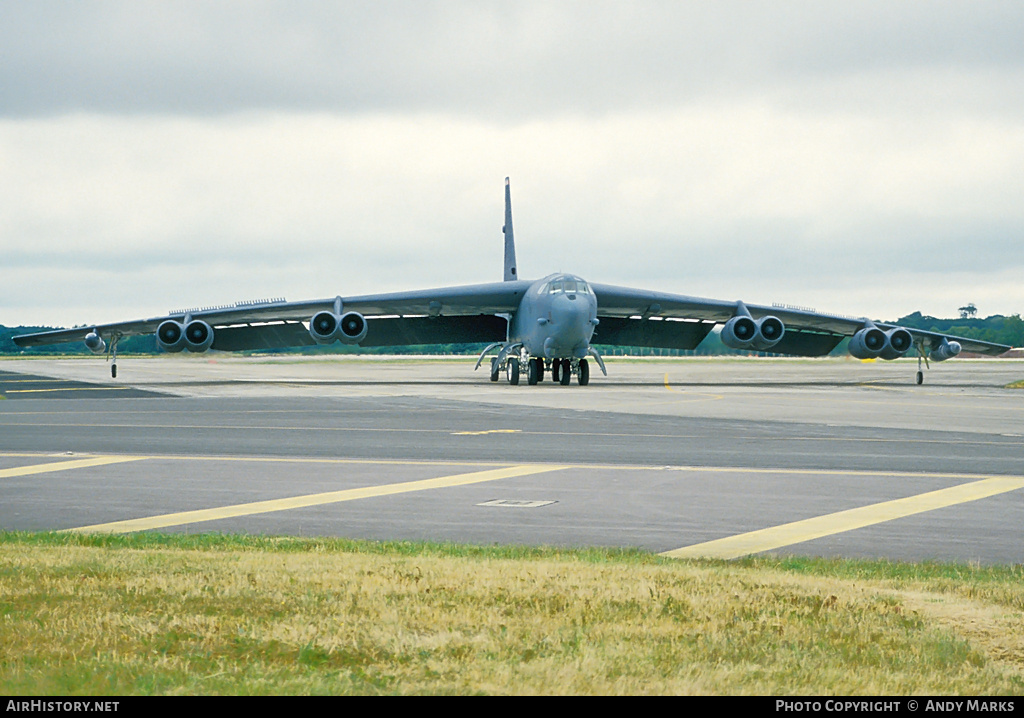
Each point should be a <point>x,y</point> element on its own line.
<point>157,154</point>
<point>511,61</point>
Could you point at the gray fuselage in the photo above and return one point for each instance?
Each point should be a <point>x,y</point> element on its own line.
<point>556,318</point>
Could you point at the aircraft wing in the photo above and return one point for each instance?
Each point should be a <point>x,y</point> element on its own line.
<point>428,316</point>
<point>682,322</point>
<point>472,313</point>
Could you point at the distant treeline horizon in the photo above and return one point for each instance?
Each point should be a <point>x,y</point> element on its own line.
<point>997,328</point>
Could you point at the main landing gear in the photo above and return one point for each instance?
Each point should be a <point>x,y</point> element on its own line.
<point>562,370</point>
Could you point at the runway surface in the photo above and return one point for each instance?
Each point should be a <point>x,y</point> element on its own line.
<point>686,457</point>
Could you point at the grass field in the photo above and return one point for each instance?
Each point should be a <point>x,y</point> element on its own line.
<point>216,614</point>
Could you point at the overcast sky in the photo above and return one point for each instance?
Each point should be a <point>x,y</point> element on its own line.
<point>863,158</point>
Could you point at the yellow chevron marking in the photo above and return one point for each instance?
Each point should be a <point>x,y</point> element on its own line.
<point>799,531</point>
<point>298,502</point>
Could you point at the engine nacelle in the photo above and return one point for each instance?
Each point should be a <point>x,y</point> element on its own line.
<point>770,331</point>
<point>170,335</point>
<point>739,333</point>
<point>327,328</point>
<point>323,327</point>
<point>95,343</point>
<point>744,332</point>
<point>868,343</point>
<point>198,336</point>
<point>352,327</point>
<point>897,343</point>
<point>945,350</point>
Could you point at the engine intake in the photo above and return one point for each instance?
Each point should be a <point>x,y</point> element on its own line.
<point>173,336</point>
<point>327,327</point>
<point>198,336</point>
<point>353,328</point>
<point>170,335</point>
<point>897,343</point>
<point>873,343</point>
<point>770,331</point>
<point>868,343</point>
<point>745,332</point>
<point>323,327</point>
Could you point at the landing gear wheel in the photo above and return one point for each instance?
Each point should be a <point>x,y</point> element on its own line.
<point>113,371</point>
<point>920,377</point>
<point>540,369</point>
<point>531,372</point>
<point>494,369</point>
<point>513,372</point>
<point>584,375</point>
<point>566,372</point>
<point>556,364</point>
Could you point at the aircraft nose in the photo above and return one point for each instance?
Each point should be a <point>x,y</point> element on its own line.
<point>571,326</point>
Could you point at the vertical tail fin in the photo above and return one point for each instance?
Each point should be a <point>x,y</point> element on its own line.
<point>510,242</point>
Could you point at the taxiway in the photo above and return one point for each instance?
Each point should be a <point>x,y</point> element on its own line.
<point>687,457</point>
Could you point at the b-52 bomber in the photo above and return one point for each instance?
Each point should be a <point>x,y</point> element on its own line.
<point>535,327</point>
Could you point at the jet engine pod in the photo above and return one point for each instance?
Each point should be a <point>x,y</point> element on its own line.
<point>739,333</point>
<point>95,343</point>
<point>744,332</point>
<point>945,350</point>
<point>868,343</point>
<point>327,327</point>
<point>323,327</point>
<point>198,336</point>
<point>897,343</point>
<point>352,328</point>
<point>170,335</point>
<point>770,331</point>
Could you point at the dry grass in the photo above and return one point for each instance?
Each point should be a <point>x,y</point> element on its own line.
<point>257,616</point>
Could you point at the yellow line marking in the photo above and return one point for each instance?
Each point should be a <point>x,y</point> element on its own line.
<point>67,388</point>
<point>488,431</point>
<point>298,502</point>
<point>306,460</point>
<point>66,465</point>
<point>808,529</point>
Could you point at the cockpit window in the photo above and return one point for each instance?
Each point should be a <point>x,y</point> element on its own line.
<point>570,285</point>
